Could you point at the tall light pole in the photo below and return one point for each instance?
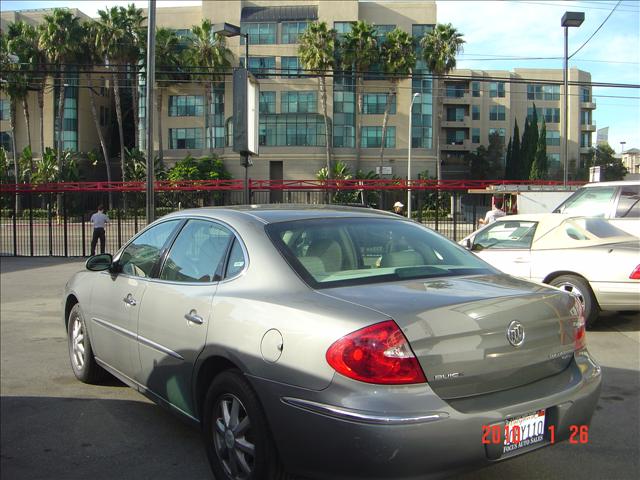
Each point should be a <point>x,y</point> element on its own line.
<point>569,19</point>
<point>413,99</point>
<point>622,144</point>
<point>151,73</point>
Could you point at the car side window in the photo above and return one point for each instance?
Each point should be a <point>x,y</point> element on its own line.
<point>143,252</point>
<point>236,261</point>
<point>591,201</point>
<point>511,234</point>
<point>629,202</point>
<point>197,253</point>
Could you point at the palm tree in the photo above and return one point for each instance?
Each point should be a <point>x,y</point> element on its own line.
<point>60,39</point>
<point>208,50</point>
<point>111,44</point>
<point>360,51</point>
<point>90,56</point>
<point>134,48</point>
<point>317,55</point>
<point>440,48</point>
<point>398,59</point>
<point>168,63</point>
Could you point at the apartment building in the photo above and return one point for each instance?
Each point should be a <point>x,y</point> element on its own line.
<point>292,131</point>
<point>477,103</point>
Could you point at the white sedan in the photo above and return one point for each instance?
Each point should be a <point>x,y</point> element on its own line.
<point>586,256</point>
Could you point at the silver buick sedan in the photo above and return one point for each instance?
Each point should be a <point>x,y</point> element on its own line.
<point>332,342</point>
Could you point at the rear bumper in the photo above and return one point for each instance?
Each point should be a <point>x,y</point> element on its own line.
<point>617,295</point>
<point>354,430</point>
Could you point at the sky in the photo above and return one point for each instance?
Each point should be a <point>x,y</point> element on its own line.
<point>503,35</point>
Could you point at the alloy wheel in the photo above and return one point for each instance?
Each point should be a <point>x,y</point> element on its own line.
<point>77,343</point>
<point>232,437</point>
<point>571,288</point>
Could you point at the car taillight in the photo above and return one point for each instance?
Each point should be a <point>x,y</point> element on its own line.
<point>635,275</point>
<point>379,354</point>
<point>580,326</point>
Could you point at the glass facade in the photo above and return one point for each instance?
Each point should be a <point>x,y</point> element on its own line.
<point>475,89</point>
<point>372,137</point>
<point>342,28</point>
<point>553,138</point>
<point>454,90</point>
<point>550,115</point>
<point>455,114</point>
<point>475,112</point>
<point>5,141</point>
<point>186,105</point>
<point>344,107</point>
<point>475,135</point>
<point>422,114</point>
<point>585,94</point>
<point>543,92</point>
<point>585,117</point>
<point>261,67</point>
<point>455,137</point>
<point>496,89</point>
<point>291,31</point>
<point>374,103</point>
<point>185,138</point>
<point>291,66</point>
<point>419,30</point>
<point>70,116</point>
<point>216,117</point>
<point>5,109</point>
<point>288,130</point>
<point>259,33</point>
<point>497,113</point>
<point>299,102</point>
<point>267,102</point>
<point>585,139</point>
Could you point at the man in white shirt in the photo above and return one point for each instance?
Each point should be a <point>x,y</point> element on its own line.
<point>493,214</point>
<point>99,221</point>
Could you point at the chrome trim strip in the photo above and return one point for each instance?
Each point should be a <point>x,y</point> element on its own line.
<point>160,348</point>
<point>362,417</point>
<point>116,328</point>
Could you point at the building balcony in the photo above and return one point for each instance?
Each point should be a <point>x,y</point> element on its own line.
<point>461,100</point>
<point>588,105</point>
<point>588,128</point>
<point>456,146</point>
<point>464,123</point>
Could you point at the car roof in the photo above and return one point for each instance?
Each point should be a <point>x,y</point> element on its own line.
<point>613,184</point>
<point>283,212</point>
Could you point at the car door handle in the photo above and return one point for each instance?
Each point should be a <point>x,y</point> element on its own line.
<point>129,300</point>
<point>193,317</point>
<point>520,260</point>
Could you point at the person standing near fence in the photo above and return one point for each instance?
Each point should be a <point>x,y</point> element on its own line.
<point>99,221</point>
<point>493,214</point>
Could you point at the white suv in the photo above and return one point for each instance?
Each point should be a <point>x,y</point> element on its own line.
<point>618,202</point>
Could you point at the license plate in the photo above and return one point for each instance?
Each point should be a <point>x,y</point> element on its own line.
<point>521,432</point>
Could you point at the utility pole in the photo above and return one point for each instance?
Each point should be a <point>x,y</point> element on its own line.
<point>151,74</point>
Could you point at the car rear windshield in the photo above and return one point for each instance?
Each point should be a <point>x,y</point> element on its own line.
<point>353,251</point>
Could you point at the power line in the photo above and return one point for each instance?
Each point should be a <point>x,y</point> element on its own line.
<point>597,29</point>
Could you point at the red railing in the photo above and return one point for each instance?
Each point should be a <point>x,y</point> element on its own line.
<point>257,185</point>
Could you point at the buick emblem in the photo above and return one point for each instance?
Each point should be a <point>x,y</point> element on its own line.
<point>515,333</point>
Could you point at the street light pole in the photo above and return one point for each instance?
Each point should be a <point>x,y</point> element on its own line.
<point>622,144</point>
<point>569,19</point>
<point>413,99</point>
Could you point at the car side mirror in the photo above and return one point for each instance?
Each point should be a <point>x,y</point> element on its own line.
<point>468,244</point>
<point>98,263</point>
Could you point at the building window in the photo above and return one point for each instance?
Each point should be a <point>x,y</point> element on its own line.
<point>5,111</point>
<point>455,90</point>
<point>497,113</point>
<point>291,31</point>
<point>186,105</point>
<point>344,104</point>
<point>475,112</point>
<point>554,160</point>
<point>375,103</point>
<point>496,89</point>
<point>70,116</point>
<point>261,67</point>
<point>455,114</point>
<point>259,33</point>
<point>418,31</point>
<point>500,131</point>
<point>585,117</point>
<point>382,31</point>
<point>475,135</point>
<point>291,66</point>
<point>543,92</point>
<point>342,28</point>
<point>372,137</point>
<point>267,102</point>
<point>553,138</point>
<point>104,116</point>
<point>299,102</point>
<point>421,120</point>
<point>185,138</point>
<point>288,130</point>
<point>585,140</point>
<point>550,115</point>
<point>456,137</point>
<point>475,89</point>
<point>585,94</point>
<point>215,131</point>
<point>5,141</point>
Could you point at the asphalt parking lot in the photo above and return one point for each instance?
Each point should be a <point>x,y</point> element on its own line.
<point>54,427</point>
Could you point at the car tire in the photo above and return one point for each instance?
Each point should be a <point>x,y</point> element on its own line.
<point>236,434</point>
<point>83,362</point>
<point>580,287</point>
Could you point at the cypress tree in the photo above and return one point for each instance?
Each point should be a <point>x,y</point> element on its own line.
<point>539,166</point>
<point>523,163</point>
<point>511,171</point>
<point>533,143</point>
<point>508,160</point>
